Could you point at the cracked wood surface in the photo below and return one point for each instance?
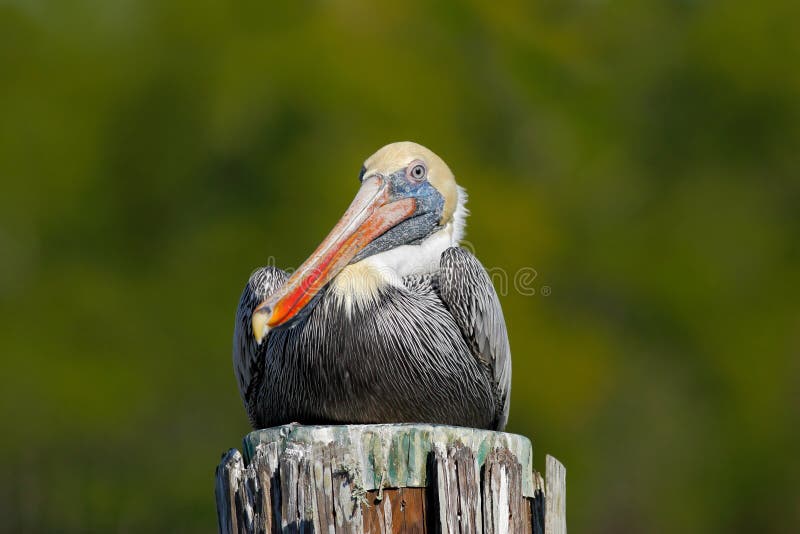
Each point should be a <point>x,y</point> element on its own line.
<point>384,479</point>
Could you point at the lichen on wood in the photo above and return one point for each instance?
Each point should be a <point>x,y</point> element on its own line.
<point>380,478</point>
<point>396,455</point>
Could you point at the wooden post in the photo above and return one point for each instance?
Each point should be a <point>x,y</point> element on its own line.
<point>400,478</point>
<point>555,516</point>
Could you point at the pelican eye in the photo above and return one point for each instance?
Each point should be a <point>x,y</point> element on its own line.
<point>417,171</point>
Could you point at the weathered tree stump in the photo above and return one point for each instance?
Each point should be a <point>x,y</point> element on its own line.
<point>387,478</point>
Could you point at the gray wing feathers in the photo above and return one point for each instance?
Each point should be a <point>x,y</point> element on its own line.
<point>246,351</point>
<point>468,292</point>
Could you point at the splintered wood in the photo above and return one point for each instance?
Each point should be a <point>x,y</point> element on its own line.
<point>556,504</point>
<point>319,486</point>
<point>396,510</point>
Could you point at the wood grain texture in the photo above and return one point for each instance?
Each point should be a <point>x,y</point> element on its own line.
<point>555,514</point>
<point>318,484</point>
<point>396,510</point>
<point>505,509</point>
<point>458,489</point>
<point>396,456</point>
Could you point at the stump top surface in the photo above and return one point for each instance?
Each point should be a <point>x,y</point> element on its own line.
<point>393,455</point>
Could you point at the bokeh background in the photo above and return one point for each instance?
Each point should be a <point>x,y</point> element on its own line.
<point>641,156</point>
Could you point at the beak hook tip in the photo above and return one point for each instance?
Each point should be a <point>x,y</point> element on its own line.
<point>259,322</point>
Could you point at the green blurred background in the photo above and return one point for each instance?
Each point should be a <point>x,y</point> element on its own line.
<point>642,157</point>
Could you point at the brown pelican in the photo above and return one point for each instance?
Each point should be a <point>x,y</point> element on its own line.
<point>388,321</point>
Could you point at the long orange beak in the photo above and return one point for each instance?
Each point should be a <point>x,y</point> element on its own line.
<point>370,214</point>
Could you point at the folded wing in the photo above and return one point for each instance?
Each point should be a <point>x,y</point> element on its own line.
<point>467,290</point>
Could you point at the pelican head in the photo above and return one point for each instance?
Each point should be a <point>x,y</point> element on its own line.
<point>408,197</point>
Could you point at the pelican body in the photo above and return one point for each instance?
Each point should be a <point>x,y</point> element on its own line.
<point>388,321</point>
